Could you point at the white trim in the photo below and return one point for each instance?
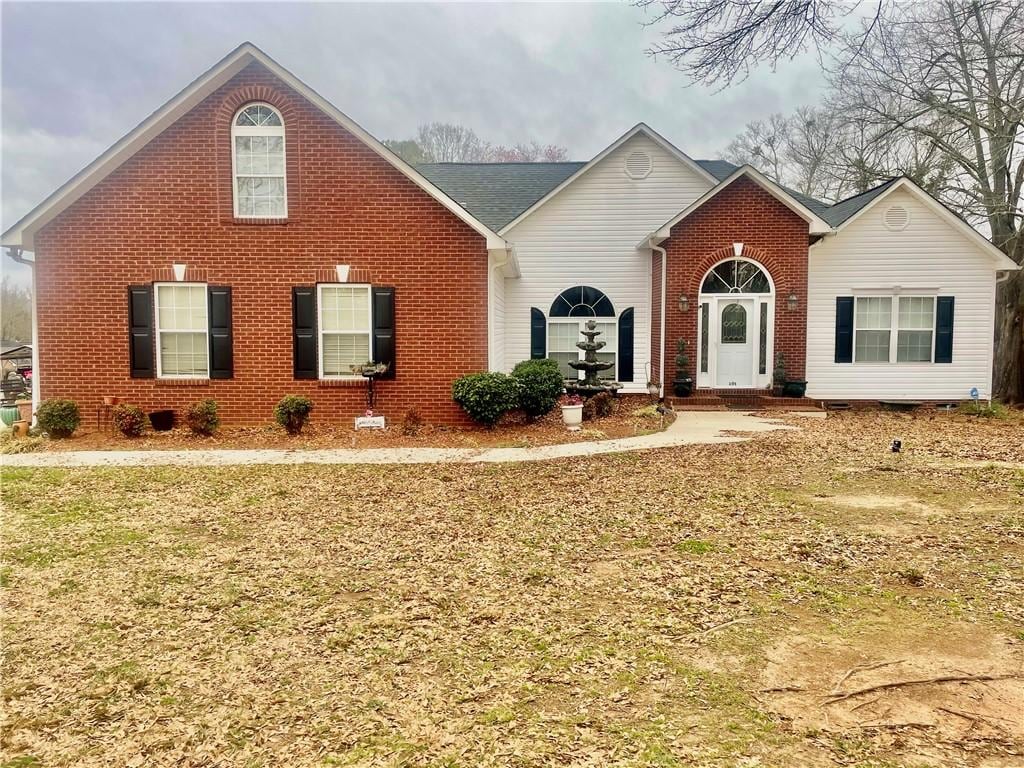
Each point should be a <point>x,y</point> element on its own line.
<point>159,332</point>
<point>320,329</point>
<point>639,128</point>
<point>894,328</point>
<point>23,231</point>
<point>272,130</point>
<point>816,224</point>
<point>1003,262</point>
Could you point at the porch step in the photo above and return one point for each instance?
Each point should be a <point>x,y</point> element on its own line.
<point>740,399</point>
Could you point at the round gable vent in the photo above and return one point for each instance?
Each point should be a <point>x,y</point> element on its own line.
<point>896,217</point>
<point>638,165</point>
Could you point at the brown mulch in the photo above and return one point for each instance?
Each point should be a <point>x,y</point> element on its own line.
<point>513,432</point>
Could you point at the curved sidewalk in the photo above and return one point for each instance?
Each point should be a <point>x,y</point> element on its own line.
<point>689,428</point>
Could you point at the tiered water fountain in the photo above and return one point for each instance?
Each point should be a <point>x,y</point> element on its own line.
<point>590,385</point>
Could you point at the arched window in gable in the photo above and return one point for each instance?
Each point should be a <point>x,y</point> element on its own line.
<point>257,161</point>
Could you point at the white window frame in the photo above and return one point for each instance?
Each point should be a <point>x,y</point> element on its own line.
<point>894,328</point>
<point>320,329</point>
<point>259,130</point>
<point>580,323</point>
<point>159,332</point>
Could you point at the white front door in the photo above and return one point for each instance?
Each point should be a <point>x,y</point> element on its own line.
<point>735,343</point>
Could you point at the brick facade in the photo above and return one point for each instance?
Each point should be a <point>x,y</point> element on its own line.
<point>172,203</point>
<point>771,234</point>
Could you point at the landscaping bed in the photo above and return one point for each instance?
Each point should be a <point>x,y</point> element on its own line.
<point>633,415</point>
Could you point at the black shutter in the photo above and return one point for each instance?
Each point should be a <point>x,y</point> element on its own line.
<point>140,331</point>
<point>222,364</point>
<point>384,329</point>
<point>844,329</point>
<point>304,333</point>
<point>626,345</point>
<point>538,335</point>
<point>944,329</point>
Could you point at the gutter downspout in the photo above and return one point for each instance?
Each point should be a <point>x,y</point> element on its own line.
<point>661,334</point>
<point>17,254</point>
<point>494,365</point>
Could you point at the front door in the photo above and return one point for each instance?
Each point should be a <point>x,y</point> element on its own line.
<point>735,363</point>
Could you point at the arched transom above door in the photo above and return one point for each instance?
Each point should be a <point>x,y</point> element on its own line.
<point>736,276</point>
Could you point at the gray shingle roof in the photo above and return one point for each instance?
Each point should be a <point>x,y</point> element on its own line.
<point>496,193</point>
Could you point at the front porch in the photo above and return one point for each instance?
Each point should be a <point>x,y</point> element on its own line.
<point>711,399</point>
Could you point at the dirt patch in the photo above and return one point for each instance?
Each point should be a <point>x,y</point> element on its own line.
<point>958,684</point>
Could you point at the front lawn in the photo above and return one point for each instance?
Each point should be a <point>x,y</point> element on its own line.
<point>694,606</point>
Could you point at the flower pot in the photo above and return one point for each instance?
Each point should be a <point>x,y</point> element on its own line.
<point>24,410</point>
<point>794,388</point>
<point>21,429</point>
<point>161,420</point>
<point>9,414</point>
<point>572,415</point>
<point>682,387</point>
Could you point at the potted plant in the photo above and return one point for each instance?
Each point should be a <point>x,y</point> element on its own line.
<point>794,388</point>
<point>572,412</point>
<point>682,384</point>
<point>779,375</point>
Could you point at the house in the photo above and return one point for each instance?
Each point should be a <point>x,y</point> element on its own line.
<point>249,240</point>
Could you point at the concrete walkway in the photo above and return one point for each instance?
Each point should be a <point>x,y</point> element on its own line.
<point>689,428</point>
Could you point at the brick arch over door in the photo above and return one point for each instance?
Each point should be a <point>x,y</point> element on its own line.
<point>285,103</point>
<point>763,258</point>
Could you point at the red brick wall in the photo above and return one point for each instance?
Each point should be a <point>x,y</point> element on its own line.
<point>172,203</point>
<point>772,235</point>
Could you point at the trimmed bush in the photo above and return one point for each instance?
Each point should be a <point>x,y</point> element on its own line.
<point>59,418</point>
<point>540,386</point>
<point>600,405</point>
<point>486,397</point>
<point>292,412</point>
<point>202,417</point>
<point>129,419</point>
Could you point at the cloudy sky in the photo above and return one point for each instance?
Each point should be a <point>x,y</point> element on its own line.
<point>78,76</point>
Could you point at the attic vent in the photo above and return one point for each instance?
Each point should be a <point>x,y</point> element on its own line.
<point>638,165</point>
<point>896,217</point>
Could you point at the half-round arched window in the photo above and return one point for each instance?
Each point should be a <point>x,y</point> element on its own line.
<point>736,276</point>
<point>582,301</point>
<point>257,159</point>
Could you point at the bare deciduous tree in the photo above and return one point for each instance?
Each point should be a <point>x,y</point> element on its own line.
<point>16,311</point>
<point>447,143</point>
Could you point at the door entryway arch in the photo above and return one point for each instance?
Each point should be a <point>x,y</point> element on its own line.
<point>735,326</point>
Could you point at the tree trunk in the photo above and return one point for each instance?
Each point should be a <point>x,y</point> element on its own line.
<point>1008,377</point>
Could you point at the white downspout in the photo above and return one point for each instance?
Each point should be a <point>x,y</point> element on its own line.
<point>499,263</point>
<point>661,334</point>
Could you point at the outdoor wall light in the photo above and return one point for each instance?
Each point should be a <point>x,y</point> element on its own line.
<point>684,302</point>
<point>792,301</point>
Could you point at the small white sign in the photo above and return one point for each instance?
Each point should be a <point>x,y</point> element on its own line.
<point>370,422</point>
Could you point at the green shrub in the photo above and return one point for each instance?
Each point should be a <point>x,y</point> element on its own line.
<point>292,412</point>
<point>202,417</point>
<point>129,419</point>
<point>600,405</point>
<point>486,397</point>
<point>540,386</point>
<point>59,418</point>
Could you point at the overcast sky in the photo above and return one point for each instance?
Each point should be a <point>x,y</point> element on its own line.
<point>76,77</point>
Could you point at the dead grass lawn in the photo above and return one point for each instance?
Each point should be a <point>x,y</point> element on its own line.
<point>687,607</point>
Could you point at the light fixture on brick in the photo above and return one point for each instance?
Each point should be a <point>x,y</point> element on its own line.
<point>737,249</point>
<point>179,272</point>
<point>684,302</point>
<point>791,301</point>
<point>342,270</point>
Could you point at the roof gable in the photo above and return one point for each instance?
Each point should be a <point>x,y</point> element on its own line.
<point>22,232</point>
<point>638,129</point>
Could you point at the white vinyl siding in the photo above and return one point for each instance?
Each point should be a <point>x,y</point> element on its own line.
<point>927,259</point>
<point>182,331</point>
<point>496,331</point>
<point>345,328</point>
<point>587,235</point>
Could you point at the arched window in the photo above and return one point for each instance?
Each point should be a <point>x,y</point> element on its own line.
<point>569,313</point>
<point>257,159</point>
<point>736,276</point>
